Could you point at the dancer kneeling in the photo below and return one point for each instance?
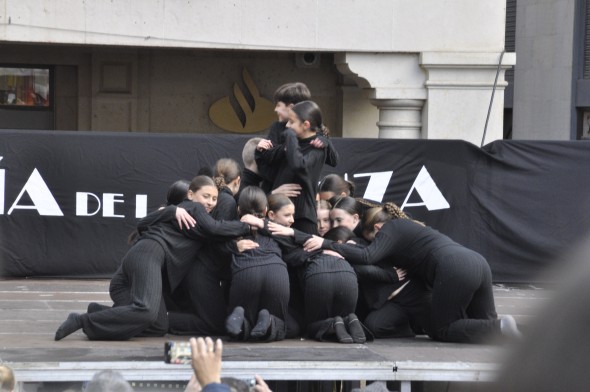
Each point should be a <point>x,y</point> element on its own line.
<point>136,287</point>
<point>259,293</point>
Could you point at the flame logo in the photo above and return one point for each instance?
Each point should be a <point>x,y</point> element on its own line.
<point>252,113</point>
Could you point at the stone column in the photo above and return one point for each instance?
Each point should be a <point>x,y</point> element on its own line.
<point>394,83</point>
<point>399,118</point>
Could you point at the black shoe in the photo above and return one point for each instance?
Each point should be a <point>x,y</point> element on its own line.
<point>354,327</point>
<point>68,327</point>
<point>93,307</point>
<point>262,325</point>
<point>234,322</point>
<point>340,329</point>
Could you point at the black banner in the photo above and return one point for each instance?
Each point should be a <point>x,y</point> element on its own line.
<point>68,200</point>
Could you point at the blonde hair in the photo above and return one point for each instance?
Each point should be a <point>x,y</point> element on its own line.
<point>7,381</point>
<point>381,213</point>
<point>249,151</point>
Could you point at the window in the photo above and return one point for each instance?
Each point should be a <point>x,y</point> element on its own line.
<point>25,87</point>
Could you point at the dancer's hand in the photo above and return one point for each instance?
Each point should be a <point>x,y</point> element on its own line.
<point>289,190</point>
<point>261,385</point>
<point>244,245</point>
<point>184,218</point>
<point>277,229</point>
<point>264,144</point>
<point>317,143</point>
<point>253,221</point>
<point>401,273</point>
<point>314,243</point>
<point>206,360</point>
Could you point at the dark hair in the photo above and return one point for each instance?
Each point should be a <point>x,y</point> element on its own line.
<point>177,192</point>
<point>226,170</point>
<point>346,203</point>
<point>338,185</point>
<point>199,182</point>
<point>277,201</point>
<point>252,201</point>
<point>205,171</point>
<point>339,233</point>
<point>310,111</point>
<point>292,93</point>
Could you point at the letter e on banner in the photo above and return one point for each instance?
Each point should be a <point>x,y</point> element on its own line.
<point>431,196</point>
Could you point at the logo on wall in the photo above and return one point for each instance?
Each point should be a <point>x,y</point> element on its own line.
<point>252,113</point>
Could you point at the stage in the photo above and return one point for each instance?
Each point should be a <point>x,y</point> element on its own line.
<point>32,309</point>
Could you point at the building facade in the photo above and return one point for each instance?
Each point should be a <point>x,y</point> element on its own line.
<point>391,69</point>
<point>549,98</point>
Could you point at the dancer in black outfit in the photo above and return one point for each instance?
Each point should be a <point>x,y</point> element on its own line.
<point>136,288</point>
<point>391,304</point>
<point>227,177</point>
<point>329,283</point>
<point>206,285</point>
<point>463,307</point>
<point>259,293</point>
<point>299,161</point>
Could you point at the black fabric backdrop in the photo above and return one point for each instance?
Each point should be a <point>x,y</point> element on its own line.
<point>519,203</point>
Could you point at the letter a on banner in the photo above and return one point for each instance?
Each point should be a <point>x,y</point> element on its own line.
<point>431,196</point>
<point>43,200</point>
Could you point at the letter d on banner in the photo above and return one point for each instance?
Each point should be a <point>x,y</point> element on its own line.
<point>82,204</point>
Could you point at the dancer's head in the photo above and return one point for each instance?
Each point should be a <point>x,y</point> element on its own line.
<point>227,173</point>
<point>305,119</point>
<point>323,213</point>
<point>334,185</point>
<point>252,201</point>
<point>288,95</point>
<point>376,217</point>
<point>203,190</point>
<point>345,212</point>
<point>281,209</point>
<point>177,192</point>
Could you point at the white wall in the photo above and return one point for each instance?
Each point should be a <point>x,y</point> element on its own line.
<point>329,25</point>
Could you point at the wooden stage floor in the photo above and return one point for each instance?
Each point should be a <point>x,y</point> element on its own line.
<point>32,309</point>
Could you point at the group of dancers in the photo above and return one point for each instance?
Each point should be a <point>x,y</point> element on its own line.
<point>274,251</point>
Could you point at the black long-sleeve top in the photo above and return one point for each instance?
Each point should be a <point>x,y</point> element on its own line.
<point>277,136</point>
<point>226,208</point>
<point>268,252</point>
<point>250,178</point>
<point>302,164</point>
<point>401,243</point>
<point>182,246</point>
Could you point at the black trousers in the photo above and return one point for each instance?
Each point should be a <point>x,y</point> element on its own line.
<point>136,291</point>
<point>262,287</point>
<point>206,296</point>
<point>405,315</point>
<point>328,295</point>
<point>462,308</point>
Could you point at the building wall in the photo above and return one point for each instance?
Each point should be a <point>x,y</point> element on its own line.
<point>403,67</point>
<point>543,72</point>
<point>331,25</point>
